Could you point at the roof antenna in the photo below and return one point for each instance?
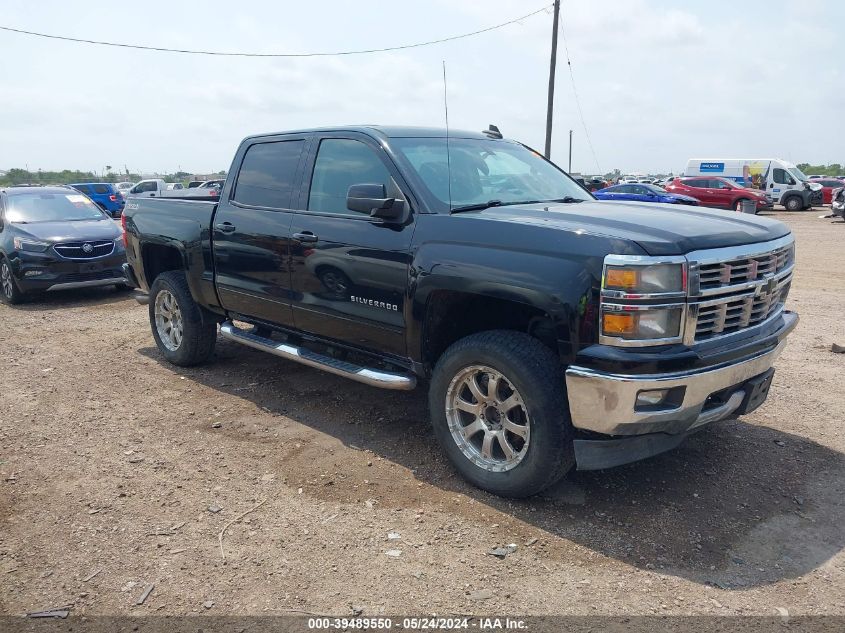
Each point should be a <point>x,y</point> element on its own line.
<point>448,158</point>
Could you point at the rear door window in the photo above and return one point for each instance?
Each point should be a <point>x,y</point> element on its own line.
<point>267,174</point>
<point>698,183</point>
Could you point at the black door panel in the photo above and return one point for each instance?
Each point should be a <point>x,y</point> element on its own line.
<point>349,271</point>
<point>252,230</point>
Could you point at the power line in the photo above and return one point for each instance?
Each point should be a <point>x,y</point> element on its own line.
<point>313,54</point>
<point>577,100</point>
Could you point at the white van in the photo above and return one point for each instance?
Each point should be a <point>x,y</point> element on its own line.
<point>783,181</point>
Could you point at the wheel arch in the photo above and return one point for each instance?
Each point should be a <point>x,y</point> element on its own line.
<point>451,315</point>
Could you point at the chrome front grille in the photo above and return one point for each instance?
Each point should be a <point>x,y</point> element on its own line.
<point>735,313</point>
<point>85,250</point>
<point>720,276</point>
<point>732,289</point>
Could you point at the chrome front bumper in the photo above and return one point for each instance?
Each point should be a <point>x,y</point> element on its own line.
<point>607,403</point>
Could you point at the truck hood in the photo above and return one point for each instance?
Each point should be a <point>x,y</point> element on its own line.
<point>81,230</point>
<point>659,229</point>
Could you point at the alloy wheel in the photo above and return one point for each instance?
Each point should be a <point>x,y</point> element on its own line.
<point>6,280</point>
<point>168,318</point>
<point>487,418</point>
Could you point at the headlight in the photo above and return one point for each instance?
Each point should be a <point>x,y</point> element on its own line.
<point>643,300</point>
<point>641,323</point>
<point>645,279</point>
<point>34,246</point>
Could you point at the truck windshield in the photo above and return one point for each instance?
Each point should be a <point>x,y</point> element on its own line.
<point>797,174</point>
<point>51,207</point>
<point>485,169</point>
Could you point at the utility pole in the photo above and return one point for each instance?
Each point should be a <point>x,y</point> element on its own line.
<point>570,151</point>
<point>552,65</point>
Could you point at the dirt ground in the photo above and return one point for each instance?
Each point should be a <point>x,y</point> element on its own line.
<point>118,471</point>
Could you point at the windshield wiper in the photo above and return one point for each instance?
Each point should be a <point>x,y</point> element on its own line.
<point>565,199</point>
<point>478,206</point>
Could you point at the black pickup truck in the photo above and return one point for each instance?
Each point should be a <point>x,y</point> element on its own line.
<point>553,331</point>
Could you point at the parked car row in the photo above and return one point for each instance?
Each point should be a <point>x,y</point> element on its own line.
<point>157,187</point>
<point>111,197</point>
<point>719,193</point>
<point>728,182</point>
<point>781,180</point>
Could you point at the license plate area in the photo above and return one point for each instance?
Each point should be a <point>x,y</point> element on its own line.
<point>756,392</point>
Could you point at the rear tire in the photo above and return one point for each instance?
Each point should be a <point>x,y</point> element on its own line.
<point>793,203</point>
<point>184,333</point>
<point>9,291</point>
<point>513,438</point>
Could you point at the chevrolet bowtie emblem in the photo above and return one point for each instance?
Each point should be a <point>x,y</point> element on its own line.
<point>767,288</point>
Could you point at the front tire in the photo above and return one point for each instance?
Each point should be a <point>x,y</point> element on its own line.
<point>185,336</point>
<point>498,406</point>
<point>9,291</point>
<point>794,203</point>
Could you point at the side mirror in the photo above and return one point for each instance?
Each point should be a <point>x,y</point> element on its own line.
<point>372,199</point>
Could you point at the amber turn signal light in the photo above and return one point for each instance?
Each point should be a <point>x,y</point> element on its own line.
<point>616,324</point>
<point>626,278</point>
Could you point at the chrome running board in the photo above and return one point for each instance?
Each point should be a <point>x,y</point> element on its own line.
<point>366,375</point>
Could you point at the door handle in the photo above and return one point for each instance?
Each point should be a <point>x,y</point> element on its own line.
<point>226,227</point>
<point>305,236</point>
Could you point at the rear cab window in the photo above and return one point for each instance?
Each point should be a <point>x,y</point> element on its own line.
<point>267,175</point>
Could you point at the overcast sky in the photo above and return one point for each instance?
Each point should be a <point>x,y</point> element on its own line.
<point>659,81</point>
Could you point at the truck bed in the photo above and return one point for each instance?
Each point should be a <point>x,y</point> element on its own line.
<point>165,225</point>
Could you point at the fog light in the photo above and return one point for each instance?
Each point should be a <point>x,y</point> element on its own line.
<point>651,398</point>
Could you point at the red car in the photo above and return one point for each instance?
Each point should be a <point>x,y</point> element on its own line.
<point>718,192</point>
<point>829,185</point>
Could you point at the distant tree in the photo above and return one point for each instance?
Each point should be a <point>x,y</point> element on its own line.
<point>827,170</point>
